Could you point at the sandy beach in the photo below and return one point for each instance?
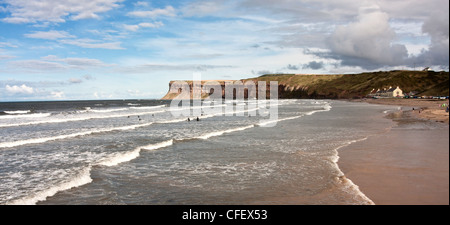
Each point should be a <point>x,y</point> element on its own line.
<point>407,165</point>
<point>429,109</point>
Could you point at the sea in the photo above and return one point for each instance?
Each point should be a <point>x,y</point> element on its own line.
<point>140,152</point>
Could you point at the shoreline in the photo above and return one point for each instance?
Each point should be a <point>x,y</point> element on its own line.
<point>427,109</point>
<point>408,164</point>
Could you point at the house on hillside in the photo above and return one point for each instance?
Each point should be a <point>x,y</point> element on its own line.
<point>387,93</point>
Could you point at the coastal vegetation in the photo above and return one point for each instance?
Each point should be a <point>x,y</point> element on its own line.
<point>423,83</point>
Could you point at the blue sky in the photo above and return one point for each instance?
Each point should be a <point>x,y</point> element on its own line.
<point>121,49</point>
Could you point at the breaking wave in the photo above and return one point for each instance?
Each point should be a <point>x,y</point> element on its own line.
<point>80,179</point>
<point>22,116</point>
<point>218,133</point>
<point>64,120</point>
<point>17,112</point>
<point>119,158</point>
<point>54,138</point>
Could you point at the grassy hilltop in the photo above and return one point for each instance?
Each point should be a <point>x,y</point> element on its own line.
<point>427,83</point>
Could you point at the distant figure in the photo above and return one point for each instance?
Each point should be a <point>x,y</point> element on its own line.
<point>153,115</point>
<point>189,120</point>
<point>198,119</point>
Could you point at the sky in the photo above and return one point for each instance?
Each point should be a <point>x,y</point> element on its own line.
<point>123,49</point>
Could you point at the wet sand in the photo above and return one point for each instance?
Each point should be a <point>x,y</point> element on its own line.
<point>407,165</point>
<point>429,109</point>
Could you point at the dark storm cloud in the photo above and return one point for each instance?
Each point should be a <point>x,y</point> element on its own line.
<point>314,65</point>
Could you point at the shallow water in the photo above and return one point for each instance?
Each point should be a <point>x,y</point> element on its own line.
<point>137,152</point>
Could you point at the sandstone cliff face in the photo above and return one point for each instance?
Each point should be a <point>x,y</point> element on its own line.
<point>231,89</point>
<point>293,86</point>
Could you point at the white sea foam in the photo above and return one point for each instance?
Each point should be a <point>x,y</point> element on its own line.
<point>327,107</point>
<point>82,178</point>
<point>54,138</point>
<point>74,119</point>
<point>149,107</point>
<point>175,109</point>
<point>107,110</point>
<point>218,133</point>
<point>204,116</point>
<point>172,121</point>
<point>119,158</point>
<point>348,185</point>
<point>239,112</point>
<point>261,124</point>
<point>20,116</point>
<point>17,112</point>
<point>158,145</point>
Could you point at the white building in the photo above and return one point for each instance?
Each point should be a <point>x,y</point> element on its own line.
<point>387,93</point>
<point>395,93</point>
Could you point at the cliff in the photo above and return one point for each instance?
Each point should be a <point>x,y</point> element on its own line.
<point>344,86</point>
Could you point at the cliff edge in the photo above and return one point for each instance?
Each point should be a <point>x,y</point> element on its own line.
<point>342,86</point>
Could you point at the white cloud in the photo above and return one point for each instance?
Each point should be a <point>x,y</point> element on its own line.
<point>131,27</point>
<point>37,65</point>
<point>151,25</point>
<point>49,35</point>
<point>23,89</point>
<point>141,4</point>
<point>53,63</point>
<point>168,11</point>
<point>102,95</point>
<point>84,62</point>
<point>148,68</point>
<point>57,11</point>
<point>90,43</point>
<point>88,77</point>
<point>4,57</point>
<point>57,94</point>
<point>7,44</point>
<point>76,62</point>
<point>75,81</point>
<point>202,8</point>
<point>143,25</point>
<point>66,38</point>
<point>368,41</point>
